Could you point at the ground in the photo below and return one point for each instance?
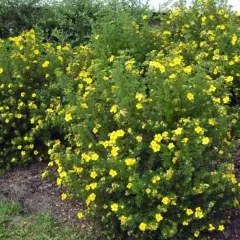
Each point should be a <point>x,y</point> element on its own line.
<point>37,196</point>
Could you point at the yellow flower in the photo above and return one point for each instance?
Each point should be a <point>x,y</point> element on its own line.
<point>114,207</point>
<point>44,174</point>
<point>139,96</point>
<point>68,117</point>
<point>148,190</point>
<point>60,58</point>
<point>226,99</point>
<point>211,122</point>
<point>97,37</point>
<point>114,151</point>
<point>176,61</point>
<point>189,212</point>
<point>190,96</point>
<point>155,179</point>
<point>187,69</point>
<point>158,138</point>
<point>142,226</point>
<point>92,197</point>
<point>1,70</point>
<point>185,140</point>
<point>84,105</point>
<point>123,219</point>
<point>112,173</point>
<point>178,131</point>
<point>229,79</point>
<point>45,64</point>
<point>165,134</point>
<point>130,161</point>
<point>157,65</point>
<point>172,76</point>
<point>93,175</point>
<point>185,223</point>
<point>199,130</point>
<point>23,153</point>
<point>204,20</point>
<point>174,159</point>
<point>234,39</point>
<point>35,152</point>
<point>144,17</point>
<point>199,213</point>
<point>80,215</point>
<point>216,100</point>
<point>221,228</point>
<point>36,52</point>
<point>205,140</point>
<point>171,146</point>
<point>139,138</point>
<point>114,109</point>
<point>212,88</point>
<point>196,234</point>
<point>166,200</point>
<point>222,27</point>
<point>59,181</point>
<point>139,106</point>
<point>211,227</point>
<point>63,196</point>
<point>155,146</point>
<point>159,217</point>
<point>94,156</point>
<point>111,59</point>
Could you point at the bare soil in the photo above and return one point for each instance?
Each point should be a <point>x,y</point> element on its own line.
<point>39,195</point>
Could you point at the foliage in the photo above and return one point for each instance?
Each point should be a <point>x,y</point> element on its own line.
<point>152,139</point>
<point>60,21</point>
<point>17,16</point>
<point>30,95</point>
<point>146,118</point>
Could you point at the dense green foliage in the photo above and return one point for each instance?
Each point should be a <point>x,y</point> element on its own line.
<point>142,122</point>
<point>61,21</point>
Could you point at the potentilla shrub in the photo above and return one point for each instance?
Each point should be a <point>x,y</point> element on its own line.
<point>154,160</point>
<point>151,143</point>
<point>33,78</point>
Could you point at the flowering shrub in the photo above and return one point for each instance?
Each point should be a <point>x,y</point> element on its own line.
<point>151,141</point>
<point>145,130</point>
<point>32,82</point>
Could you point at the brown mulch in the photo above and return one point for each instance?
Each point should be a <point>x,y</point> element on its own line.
<point>39,195</point>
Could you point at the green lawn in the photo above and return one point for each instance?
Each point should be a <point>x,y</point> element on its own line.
<point>15,226</point>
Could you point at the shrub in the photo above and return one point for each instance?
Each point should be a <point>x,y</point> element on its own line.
<point>152,140</point>
<point>33,80</point>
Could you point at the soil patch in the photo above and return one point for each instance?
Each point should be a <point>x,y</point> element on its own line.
<point>39,195</point>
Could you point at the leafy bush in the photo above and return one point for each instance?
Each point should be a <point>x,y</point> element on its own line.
<point>32,90</point>
<point>152,139</point>
<point>17,16</point>
<point>142,123</point>
<point>61,21</point>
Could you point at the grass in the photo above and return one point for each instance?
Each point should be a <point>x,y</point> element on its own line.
<point>15,226</point>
